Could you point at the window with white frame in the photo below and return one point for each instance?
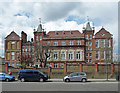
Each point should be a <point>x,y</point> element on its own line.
<point>90,36</point>
<point>86,36</point>
<point>62,54</point>
<point>86,43</point>
<point>97,55</point>
<point>62,43</point>
<point>70,42</point>
<point>13,55</point>
<point>90,54</point>
<point>109,43</point>
<point>55,43</point>
<point>86,54</point>
<point>70,54</point>
<point>40,37</point>
<point>90,48</point>
<point>48,43</point>
<point>29,48</point>
<point>102,55</point>
<point>25,48</point>
<point>55,55</point>
<point>102,43</point>
<point>78,55</point>
<point>22,48</point>
<point>96,43</point>
<point>90,60</point>
<point>55,65</point>
<point>36,37</point>
<point>78,42</point>
<point>90,43</point>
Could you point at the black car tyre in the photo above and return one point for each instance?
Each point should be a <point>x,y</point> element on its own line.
<point>67,80</point>
<point>84,80</point>
<point>7,80</point>
<point>22,80</point>
<point>41,79</point>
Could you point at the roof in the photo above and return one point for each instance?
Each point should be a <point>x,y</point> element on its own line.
<point>39,29</point>
<point>64,34</point>
<point>88,27</point>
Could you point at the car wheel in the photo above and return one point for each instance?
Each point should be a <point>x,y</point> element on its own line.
<point>41,79</point>
<point>7,80</point>
<point>22,80</point>
<point>84,80</point>
<point>67,80</point>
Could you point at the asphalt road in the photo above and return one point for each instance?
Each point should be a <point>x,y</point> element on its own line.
<point>59,86</point>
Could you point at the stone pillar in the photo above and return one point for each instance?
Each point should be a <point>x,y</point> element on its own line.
<point>65,67</point>
<point>6,67</point>
<point>80,67</point>
<point>112,68</point>
<point>49,69</point>
<point>96,67</point>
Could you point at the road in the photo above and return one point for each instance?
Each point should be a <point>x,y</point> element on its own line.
<point>59,86</point>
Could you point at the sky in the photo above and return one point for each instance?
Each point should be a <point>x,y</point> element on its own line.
<point>55,16</point>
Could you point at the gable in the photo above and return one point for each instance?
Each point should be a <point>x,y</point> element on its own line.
<point>13,36</point>
<point>103,34</point>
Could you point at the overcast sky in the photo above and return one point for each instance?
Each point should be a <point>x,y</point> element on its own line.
<point>24,16</point>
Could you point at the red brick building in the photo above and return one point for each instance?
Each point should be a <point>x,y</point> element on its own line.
<point>71,47</point>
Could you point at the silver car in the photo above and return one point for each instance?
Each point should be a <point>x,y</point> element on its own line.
<point>77,76</point>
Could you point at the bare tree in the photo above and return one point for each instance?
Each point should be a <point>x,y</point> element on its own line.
<point>42,53</point>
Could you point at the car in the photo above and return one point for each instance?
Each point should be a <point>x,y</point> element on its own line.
<point>6,77</point>
<point>76,76</point>
<point>31,75</point>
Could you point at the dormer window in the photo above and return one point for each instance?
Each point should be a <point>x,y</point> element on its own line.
<point>70,32</point>
<point>63,33</point>
<point>102,34</point>
<point>56,33</point>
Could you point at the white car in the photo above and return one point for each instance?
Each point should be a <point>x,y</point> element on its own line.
<point>76,76</point>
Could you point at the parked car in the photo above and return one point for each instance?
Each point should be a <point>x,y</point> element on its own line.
<point>76,76</point>
<point>31,75</point>
<point>6,77</point>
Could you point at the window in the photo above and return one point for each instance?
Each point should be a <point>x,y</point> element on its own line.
<point>86,60</point>
<point>25,48</point>
<point>25,53</point>
<point>55,43</point>
<point>86,43</point>
<point>62,65</point>
<point>90,54</point>
<point>55,65</point>
<point>70,42</point>
<point>97,54</point>
<point>63,55</point>
<point>13,45</point>
<point>90,36</point>
<point>48,43</point>
<point>36,37</point>
<point>78,42</point>
<point>55,55</point>
<point>63,43</point>
<point>90,48</point>
<point>78,55</point>
<point>102,54</point>
<point>86,54</point>
<point>86,36</point>
<point>102,43</point>
<point>108,56</point>
<point>29,48</point>
<point>40,37</point>
<point>22,48</point>
<point>86,48</point>
<point>70,55</point>
<point>96,43</point>
<point>108,43</point>
<point>90,60</point>
<point>90,43</point>
<point>13,55</point>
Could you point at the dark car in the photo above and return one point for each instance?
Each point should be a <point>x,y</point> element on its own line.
<point>6,77</point>
<point>31,75</point>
